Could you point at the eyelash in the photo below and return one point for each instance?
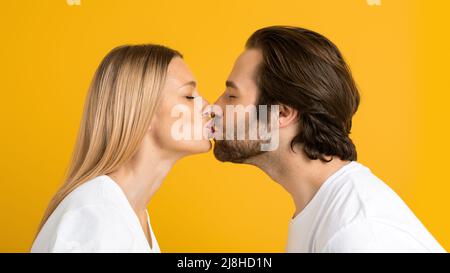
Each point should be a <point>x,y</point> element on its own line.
<point>190,97</point>
<point>231,97</point>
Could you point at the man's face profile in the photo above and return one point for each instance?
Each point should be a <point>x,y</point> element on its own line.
<point>241,90</point>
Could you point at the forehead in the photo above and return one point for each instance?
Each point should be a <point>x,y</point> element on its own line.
<point>178,72</point>
<point>246,65</point>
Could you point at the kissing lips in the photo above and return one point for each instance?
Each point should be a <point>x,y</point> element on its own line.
<point>210,125</point>
<point>211,129</point>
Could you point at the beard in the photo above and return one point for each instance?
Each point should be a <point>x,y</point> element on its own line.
<point>240,151</point>
<point>237,151</point>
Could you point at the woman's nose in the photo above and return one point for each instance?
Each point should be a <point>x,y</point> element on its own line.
<point>205,102</point>
<point>206,107</point>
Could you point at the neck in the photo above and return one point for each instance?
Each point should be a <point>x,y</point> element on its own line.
<point>299,175</point>
<point>142,176</point>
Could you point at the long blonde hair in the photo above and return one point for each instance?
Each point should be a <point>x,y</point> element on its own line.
<point>121,102</point>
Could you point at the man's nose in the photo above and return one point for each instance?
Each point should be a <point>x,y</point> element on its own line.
<point>218,108</point>
<point>219,102</point>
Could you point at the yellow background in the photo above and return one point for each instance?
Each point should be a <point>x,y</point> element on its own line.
<point>399,54</point>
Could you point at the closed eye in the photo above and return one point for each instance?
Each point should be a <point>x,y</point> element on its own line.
<point>190,97</point>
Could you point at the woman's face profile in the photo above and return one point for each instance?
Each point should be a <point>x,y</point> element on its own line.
<point>180,92</point>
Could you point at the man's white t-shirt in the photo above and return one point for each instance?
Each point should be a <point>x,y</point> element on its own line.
<point>95,217</point>
<point>354,211</point>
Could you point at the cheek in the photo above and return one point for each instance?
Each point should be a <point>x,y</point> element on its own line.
<point>240,120</point>
<point>162,122</point>
<point>161,131</point>
<point>175,118</point>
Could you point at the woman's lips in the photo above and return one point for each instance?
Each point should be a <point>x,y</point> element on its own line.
<point>211,128</point>
<point>211,125</point>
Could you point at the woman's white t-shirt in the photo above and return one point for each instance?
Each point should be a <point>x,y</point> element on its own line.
<point>95,217</point>
<point>354,211</point>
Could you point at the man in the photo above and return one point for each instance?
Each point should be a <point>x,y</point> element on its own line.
<point>340,205</point>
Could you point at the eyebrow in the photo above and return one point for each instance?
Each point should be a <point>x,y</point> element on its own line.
<point>231,84</point>
<point>191,83</point>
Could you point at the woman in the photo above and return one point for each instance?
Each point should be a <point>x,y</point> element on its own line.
<point>123,152</point>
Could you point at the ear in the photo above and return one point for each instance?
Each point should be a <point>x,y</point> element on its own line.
<point>288,116</point>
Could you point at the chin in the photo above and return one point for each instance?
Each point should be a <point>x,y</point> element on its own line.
<point>199,146</point>
<point>207,145</point>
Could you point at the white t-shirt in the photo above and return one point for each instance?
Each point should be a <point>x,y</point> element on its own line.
<point>95,217</point>
<point>354,211</point>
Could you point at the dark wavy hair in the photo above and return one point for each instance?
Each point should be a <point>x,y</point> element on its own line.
<point>304,70</point>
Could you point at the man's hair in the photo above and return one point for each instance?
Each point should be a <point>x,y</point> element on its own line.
<point>304,70</point>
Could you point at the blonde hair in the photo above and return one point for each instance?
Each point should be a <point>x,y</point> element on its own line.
<point>121,102</point>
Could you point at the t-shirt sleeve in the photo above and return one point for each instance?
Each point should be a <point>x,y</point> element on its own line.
<point>89,229</point>
<point>372,236</point>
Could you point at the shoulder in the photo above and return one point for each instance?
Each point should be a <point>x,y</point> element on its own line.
<point>359,193</point>
<point>363,213</point>
<point>367,235</point>
<point>93,192</point>
<point>88,219</point>
<point>88,228</point>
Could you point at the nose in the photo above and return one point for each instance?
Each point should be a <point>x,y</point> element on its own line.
<point>220,102</point>
<point>217,101</point>
<point>204,102</point>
